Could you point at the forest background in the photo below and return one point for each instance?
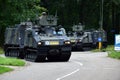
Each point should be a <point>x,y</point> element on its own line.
<point>69,12</point>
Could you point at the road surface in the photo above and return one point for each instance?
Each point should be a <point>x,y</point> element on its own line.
<point>82,66</point>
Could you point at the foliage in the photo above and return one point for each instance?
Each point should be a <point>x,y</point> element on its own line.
<point>69,12</point>
<point>110,48</point>
<point>88,13</point>
<point>4,69</point>
<point>1,51</point>
<point>117,2</point>
<point>15,11</point>
<point>11,62</point>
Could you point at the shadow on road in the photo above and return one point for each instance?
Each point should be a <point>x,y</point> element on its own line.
<point>82,50</point>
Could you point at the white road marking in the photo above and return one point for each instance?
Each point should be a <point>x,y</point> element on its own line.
<point>68,74</point>
<point>79,63</point>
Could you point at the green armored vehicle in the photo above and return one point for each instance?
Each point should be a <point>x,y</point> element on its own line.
<point>41,41</point>
<point>73,39</point>
<point>87,38</point>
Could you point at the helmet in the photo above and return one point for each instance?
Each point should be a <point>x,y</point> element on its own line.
<point>44,13</point>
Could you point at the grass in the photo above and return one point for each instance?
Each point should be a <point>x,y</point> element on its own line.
<point>111,52</point>
<point>114,54</point>
<point>4,69</point>
<point>109,48</point>
<point>11,62</point>
<point>1,51</point>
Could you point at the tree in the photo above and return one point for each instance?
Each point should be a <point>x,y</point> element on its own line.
<point>15,11</point>
<point>87,12</point>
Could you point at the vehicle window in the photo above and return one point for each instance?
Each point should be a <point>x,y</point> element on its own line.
<point>60,33</point>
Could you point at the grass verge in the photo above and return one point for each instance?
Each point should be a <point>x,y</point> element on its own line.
<point>4,69</point>
<point>114,54</point>
<point>11,62</point>
<point>111,52</point>
<point>109,48</point>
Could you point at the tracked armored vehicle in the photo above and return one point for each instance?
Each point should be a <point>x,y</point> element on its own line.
<point>73,39</point>
<point>87,38</point>
<point>41,41</point>
<point>96,34</point>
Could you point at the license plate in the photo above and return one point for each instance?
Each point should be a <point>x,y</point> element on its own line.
<point>54,43</point>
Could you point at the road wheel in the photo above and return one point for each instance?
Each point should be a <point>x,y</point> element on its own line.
<point>40,58</point>
<point>65,56</point>
<point>53,58</point>
<point>29,56</point>
<point>7,53</point>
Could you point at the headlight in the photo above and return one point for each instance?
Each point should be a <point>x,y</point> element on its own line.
<point>79,40</point>
<point>39,43</point>
<point>67,42</point>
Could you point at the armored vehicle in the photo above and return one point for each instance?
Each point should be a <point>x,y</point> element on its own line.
<point>99,34</point>
<point>87,38</point>
<point>42,41</point>
<point>73,39</point>
<point>76,36</point>
<point>91,39</point>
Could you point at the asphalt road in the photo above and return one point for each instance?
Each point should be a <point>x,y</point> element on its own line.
<point>82,66</point>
